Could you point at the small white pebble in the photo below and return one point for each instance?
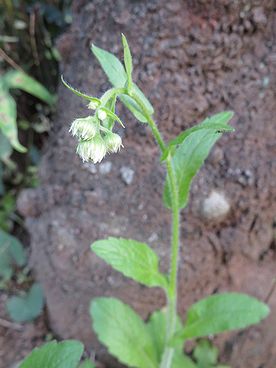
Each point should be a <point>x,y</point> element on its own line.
<point>90,167</point>
<point>215,206</point>
<point>127,174</point>
<point>153,238</point>
<point>105,167</point>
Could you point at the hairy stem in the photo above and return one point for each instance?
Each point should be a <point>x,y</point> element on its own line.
<point>172,291</point>
<point>151,122</point>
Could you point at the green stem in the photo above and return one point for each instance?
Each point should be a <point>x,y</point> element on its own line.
<point>150,121</point>
<point>172,290</point>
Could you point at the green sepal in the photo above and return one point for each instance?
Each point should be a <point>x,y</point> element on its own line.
<point>80,94</point>
<point>112,115</point>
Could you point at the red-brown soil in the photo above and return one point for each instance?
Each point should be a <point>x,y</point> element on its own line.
<point>192,58</point>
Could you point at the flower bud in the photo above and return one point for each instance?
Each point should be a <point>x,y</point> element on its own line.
<point>93,105</point>
<point>113,142</point>
<point>102,115</point>
<point>92,150</point>
<point>84,128</point>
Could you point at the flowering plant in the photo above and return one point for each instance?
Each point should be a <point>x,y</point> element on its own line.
<point>159,342</point>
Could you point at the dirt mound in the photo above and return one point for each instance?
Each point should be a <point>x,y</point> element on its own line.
<point>192,58</point>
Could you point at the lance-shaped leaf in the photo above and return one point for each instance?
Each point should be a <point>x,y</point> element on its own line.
<point>219,313</point>
<point>127,61</point>
<point>8,120</point>
<point>217,122</point>
<point>21,80</point>
<point>65,354</point>
<point>132,258</point>
<point>81,94</point>
<point>191,153</point>
<point>123,332</point>
<point>117,76</point>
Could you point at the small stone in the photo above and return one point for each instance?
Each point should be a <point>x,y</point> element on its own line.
<point>90,167</point>
<point>259,16</point>
<point>216,155</point>
<point>105,167</point>
<point>266,81</point>
<point>127,174</point>
<point>153,237</point>
<point>215,206</point>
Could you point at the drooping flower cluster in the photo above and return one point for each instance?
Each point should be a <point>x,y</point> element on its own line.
<point>94,132</point>
<point>95,140</point>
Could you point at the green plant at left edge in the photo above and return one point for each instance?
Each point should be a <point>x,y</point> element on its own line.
<point>11,250</point>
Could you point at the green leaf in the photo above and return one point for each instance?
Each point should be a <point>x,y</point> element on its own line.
<point>65,354</point>
<point>217,122</point>
<point>80,94</point>
<point>8,120</point>
<point>27,308</point>
<point>18,79</point>
<point>133,107</point>
<point>193,147</point>
<point>127,61</point>
<point>181,360</point>
<point>134,259</point>
<point>117,76</point>
<point>136,91</point>
<point>5,147</point>
<point>123,332</point>
<point>205,354</point>
<point>112,67</point>
<point>11,251</point>
<point>221,312</point>
<point>157,328</point>
<point>87,364</point>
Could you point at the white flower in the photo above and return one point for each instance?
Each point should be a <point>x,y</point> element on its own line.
<point>84,128</point>
<point>102,115</point>
<point>92,150</point>
<point>113,142</point>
